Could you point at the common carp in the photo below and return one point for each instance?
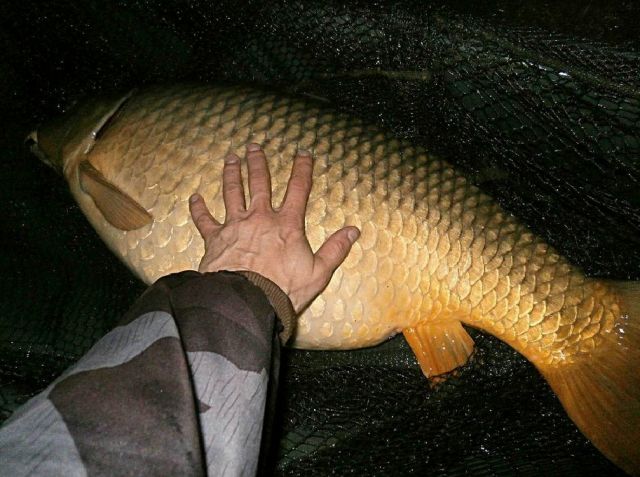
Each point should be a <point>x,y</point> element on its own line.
<point>434,252</point>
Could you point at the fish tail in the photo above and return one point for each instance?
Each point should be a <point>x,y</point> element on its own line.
<point>601,392</point>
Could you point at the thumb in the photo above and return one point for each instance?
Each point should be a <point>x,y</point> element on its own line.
<point>202,218</point>
<point>336,248</point>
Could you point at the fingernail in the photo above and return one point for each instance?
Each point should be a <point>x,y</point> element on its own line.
<point>194,198</point>
<point>303,152</point>
<point>231,159</point>
<point>353,234</point>
<point>253,147</point>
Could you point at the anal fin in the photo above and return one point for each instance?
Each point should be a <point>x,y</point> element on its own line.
<point>118,208</point>
<point>439,348</point>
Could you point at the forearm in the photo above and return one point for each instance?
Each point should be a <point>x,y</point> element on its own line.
<point>179,386</point>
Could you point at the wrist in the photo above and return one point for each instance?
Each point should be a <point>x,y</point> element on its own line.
<point>279,300</point>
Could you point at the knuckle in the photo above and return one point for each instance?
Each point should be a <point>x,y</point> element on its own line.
<point>342,246</point>
<point>196,213</point>
<point>300,186</point>
<point>232,186</point>
<point>201,220</point>
<point>230,177</point>
<point>260,197</point>
<point>302,177</point>
<point>302,169</point>
<point>292,220</point>
<point>337,248</point>
<point>259,174</point>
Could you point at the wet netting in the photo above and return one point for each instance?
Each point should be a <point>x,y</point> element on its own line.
<point>538,103</point>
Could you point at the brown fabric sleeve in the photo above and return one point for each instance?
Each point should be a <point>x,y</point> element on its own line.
<point>279,301</point>
<point>187,387</point>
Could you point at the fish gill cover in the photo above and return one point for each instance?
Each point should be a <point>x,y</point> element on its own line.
<point>538,103</point>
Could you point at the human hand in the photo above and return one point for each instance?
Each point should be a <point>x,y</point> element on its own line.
<point>267,241</point>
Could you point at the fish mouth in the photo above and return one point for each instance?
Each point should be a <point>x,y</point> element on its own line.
<point>31,141</point>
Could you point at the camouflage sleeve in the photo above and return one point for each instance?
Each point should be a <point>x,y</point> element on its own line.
<point>181,387</point>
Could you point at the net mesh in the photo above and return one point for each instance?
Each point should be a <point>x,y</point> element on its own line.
<point>539,104</point>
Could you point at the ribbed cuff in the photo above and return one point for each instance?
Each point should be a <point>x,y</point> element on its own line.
<point>279,301</point>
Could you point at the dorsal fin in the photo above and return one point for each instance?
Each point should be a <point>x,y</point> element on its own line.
<point>118,208</point>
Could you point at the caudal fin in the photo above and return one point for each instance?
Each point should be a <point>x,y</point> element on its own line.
<point>601,393</point>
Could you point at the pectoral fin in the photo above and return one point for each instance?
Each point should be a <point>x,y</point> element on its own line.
<point>118,208</point>
<point>439,348</point>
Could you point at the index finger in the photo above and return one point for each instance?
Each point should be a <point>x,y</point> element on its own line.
<point>299,186</point>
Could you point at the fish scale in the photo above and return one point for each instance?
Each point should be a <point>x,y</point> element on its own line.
<point>434,251</point>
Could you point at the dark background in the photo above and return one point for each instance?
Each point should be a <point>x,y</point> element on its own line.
<point>538,103</point>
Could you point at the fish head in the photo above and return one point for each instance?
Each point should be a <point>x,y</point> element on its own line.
<point>63,141</point>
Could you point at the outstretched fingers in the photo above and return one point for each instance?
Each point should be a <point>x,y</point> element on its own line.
<point>299,187</point>
<point>335,250</point>
<point>202,218</point>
